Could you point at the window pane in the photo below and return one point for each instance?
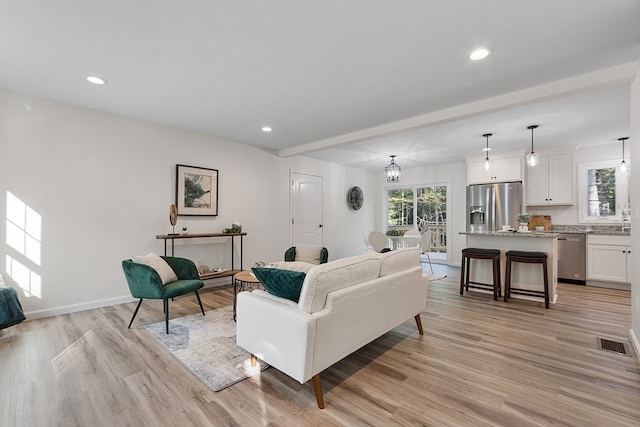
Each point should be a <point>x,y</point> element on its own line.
<point>432,206</point>
<point>400,207</point>
<point>601,192</point>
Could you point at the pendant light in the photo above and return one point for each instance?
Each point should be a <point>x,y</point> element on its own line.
<point>487,162</point>
<point>623,164</point>
<point>532,158</point>
<point>392,171</point>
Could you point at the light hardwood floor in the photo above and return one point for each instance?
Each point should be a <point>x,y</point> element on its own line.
<point>480,363</point>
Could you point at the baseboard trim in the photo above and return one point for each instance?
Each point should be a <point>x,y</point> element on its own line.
<point>72,308</point>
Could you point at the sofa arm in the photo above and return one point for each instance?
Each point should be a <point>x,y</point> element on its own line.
<point>277,332</point>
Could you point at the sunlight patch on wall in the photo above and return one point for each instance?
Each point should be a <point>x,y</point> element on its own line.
<point>24,234</point>
<point>29,281</point>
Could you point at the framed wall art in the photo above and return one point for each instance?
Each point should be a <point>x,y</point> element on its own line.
<point>196,190</point>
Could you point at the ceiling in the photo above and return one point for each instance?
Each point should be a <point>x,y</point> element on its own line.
<point>350,82</point>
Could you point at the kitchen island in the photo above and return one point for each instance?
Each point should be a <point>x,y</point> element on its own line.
<point>525,276</point>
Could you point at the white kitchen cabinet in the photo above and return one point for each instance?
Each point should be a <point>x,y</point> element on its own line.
<point>551,181</point>
<point>609,258</point>
<point>501,170</point>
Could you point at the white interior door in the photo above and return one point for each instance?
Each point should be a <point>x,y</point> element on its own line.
<point>306,209</point>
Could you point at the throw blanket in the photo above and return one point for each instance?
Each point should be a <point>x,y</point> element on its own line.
<point>10,308</point>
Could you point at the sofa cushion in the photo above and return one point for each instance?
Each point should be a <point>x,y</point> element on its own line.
<point>398,260</point>
<point>308,253</point>
<point>334,275</point>
<point>279,282</point>
<point>154,261</point>
<point>292,265</point>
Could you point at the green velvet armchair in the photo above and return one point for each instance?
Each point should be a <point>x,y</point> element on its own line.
<point>144,282</point>
<point>322,257</point>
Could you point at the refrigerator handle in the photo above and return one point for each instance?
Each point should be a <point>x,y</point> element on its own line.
<point>492,209</point>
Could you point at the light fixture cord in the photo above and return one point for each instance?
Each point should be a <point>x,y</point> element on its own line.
<point>531,140</point>
<point>487,158</point>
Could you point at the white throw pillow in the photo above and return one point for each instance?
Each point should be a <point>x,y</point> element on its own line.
<point>154,261</point>
<point>308,253</point>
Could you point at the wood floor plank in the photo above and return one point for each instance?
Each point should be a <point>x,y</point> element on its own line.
<point>480,363</point>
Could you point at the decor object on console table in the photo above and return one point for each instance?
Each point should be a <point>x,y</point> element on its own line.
<point>173,218</point>
<point>196,190</point>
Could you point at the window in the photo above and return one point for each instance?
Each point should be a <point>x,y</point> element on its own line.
<point>400,208</point>
<point>603,192</point>
<point>424,208</point>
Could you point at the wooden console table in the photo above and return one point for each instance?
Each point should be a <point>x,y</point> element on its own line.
<point>226,273</point>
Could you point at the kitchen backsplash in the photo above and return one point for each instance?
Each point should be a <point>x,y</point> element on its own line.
<point>585,228</point>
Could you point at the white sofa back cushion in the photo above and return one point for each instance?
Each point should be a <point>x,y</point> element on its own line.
<point>292,265</point>
<point>342,273</point>
<point>398,260</point>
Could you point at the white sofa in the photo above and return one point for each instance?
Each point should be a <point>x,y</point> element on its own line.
<point>344,305</point>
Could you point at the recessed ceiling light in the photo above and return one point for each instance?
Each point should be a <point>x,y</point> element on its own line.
<point>479,54</point>
<point>97,80</point>
<point>266,129</point>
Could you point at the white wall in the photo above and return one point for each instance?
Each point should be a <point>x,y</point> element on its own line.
<point>455,176</point>
<point>103,185</point>
<point>635,213</point>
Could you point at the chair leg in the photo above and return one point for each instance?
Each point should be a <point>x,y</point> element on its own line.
<point>499,283</point>
<point>199,302</point>
<point>507,280</point>
<point>166,313</point>
<point>134,313</point>
<point>467,274</point>
<point>317,388</point>
<point>419,323</point>
<point>254,360</point>
<point>429,259</point>
<point>546,284</point>
<point>462,274</point>
<point>496,277</point>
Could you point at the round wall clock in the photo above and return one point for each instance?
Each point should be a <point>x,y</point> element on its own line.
<point>355,198</point>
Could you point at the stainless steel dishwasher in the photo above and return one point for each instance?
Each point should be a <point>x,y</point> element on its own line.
<point>572,258</point>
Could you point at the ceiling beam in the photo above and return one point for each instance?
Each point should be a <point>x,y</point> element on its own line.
<point>621,74</point>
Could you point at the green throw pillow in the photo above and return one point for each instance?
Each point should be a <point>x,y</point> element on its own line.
<point>282,283</point>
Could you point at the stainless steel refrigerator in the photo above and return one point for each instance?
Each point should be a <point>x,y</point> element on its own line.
<point>490,206</point>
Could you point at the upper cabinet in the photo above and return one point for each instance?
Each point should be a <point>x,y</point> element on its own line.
<point>551,181</point>
<point>501,170</point>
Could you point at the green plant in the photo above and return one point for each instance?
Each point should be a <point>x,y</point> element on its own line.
<point>395,233</point>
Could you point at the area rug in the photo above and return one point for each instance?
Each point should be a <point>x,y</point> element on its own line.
<point>206,345</point>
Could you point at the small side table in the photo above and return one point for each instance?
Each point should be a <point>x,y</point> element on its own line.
<point>243,281</point>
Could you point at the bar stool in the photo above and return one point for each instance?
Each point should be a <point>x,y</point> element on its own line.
<point>530,258</point>
<point>479,253</point>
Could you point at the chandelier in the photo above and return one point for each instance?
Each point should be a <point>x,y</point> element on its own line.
<point>392,171</point>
